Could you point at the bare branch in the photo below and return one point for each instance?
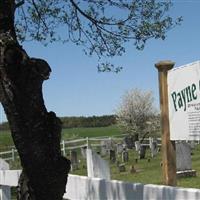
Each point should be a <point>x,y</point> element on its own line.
<point>19,4</point>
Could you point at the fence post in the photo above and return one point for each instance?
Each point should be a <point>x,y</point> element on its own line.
<point>87,139</point>
<point>168,147</point>
<point>63,147</point>
<point>13,154</point>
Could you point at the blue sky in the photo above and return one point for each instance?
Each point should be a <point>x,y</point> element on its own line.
<point>75,87</point>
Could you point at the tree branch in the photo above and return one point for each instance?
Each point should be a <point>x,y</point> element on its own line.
<point>94,20</point>
<point>19,4</point>
<point>38,13</point>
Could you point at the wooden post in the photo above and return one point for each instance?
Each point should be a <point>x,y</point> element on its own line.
<point>168,147</point>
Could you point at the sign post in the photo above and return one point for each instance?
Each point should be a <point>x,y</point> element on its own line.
<point>168,147</point>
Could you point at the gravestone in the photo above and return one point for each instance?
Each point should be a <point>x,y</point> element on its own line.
<point>129,141</point>
<point>83,152</point>
<point>125,157</point>
<point>108,144</point>
<point>4,165</point>
<point>137,145</point>
<point>103,148</point>
<point>153,143</point>
<point>183,160</point>
<point>119,148</point>
<point>122,168</point>
<point>112,156</point>
<point>192,144</point>
<point>142,152</point>
<point>183,156</point>
<point>74,160</point>
<point>96,166</point>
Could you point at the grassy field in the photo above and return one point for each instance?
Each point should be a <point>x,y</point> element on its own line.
<point>70,133</point>
<point>146,171</point>
<point>5,140</point>
<point>90,132</point>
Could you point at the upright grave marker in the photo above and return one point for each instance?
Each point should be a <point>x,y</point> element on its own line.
<point>153,144</point>
<point>74,160</point>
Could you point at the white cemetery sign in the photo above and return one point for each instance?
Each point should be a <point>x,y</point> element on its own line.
<point>184,102</point>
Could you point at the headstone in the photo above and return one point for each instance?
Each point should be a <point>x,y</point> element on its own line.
<point>125,156</point>
<point>153,146</point>
<point>4,165</point>
<point>142,152</point>
<point>183,160</point>
<point>137,145</point>
<point>183,156</point>
<point>192,144</point>
<point>74,160</point>
<point>119,148</point>
<point>83,152</point>
<point>112,156</point>
<point>129,141</point>
<point>96,166</point>
<point>108,144</point>
<point>103,148</point>
<point>122,168</point>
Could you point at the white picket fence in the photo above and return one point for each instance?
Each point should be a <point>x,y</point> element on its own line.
<point>68,145</point>
<point>85,188</point>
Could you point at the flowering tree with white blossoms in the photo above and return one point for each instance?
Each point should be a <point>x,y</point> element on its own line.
<point>137,113</point>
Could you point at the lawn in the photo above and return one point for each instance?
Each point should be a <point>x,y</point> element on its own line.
<point>71,133</point>
<point>6,141</point>
<point>148,171</point>
<point>90,132</point>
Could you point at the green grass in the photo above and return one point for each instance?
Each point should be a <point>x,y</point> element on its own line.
<point>90,132</point>
<point>71,133</point>
<point>147,172</point>
<point>5,140</point>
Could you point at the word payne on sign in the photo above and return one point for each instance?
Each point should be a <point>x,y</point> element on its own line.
<point>183,97</point>
<point>184,102</point>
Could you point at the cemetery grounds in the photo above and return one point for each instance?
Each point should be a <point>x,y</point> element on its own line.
<point>147,171</point>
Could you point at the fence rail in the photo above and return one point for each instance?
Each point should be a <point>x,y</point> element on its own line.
<point>65,145</point>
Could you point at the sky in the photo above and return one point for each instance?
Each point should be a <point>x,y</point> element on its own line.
<point>76,88</point>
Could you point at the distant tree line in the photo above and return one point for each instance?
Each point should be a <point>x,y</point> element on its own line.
<point>93,121</point>
<point>75,122</point>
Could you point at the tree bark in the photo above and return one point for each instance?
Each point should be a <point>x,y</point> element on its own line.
<point>35,131</point>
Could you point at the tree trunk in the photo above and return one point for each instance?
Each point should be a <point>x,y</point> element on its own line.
<point>35,132</point>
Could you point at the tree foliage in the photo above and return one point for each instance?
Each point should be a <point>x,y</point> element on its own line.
<point>93,121</point>
<point>137,114</point>
<point>102,27</point>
